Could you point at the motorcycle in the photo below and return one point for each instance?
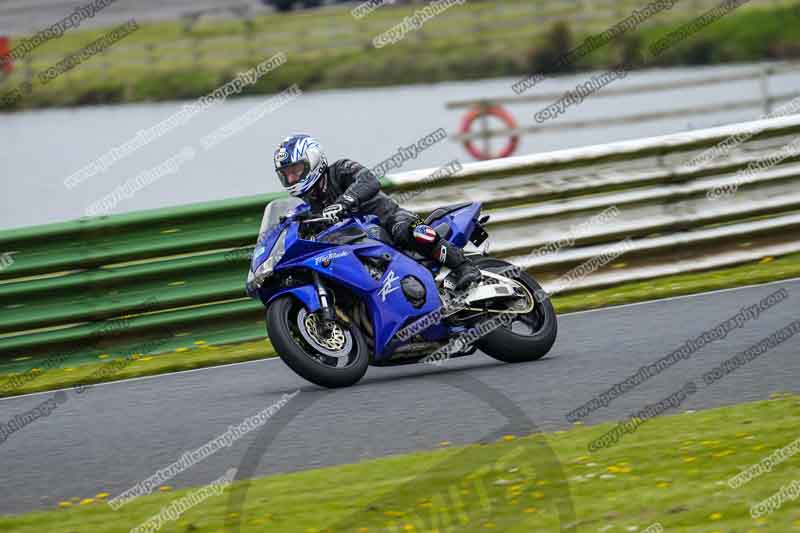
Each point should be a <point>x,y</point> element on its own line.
<point>339,297</point>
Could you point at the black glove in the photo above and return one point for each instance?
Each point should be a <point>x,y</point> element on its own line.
<point>345,204</point>
<point>348,201</point>
<point>334,212</point>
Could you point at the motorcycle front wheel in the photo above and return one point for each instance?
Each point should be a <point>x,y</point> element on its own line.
<point>330,357</point>
<point>528,336</point>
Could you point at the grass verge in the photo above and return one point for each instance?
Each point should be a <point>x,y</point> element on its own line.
<point>37,380</point>
<point>155,63</point>
<point>673,471</point>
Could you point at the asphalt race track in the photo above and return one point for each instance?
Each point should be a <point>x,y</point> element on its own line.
<point>114,435</point>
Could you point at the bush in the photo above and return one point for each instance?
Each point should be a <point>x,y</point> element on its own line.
<point>103,94</point>
<point>177,85</point>
<point>545,58</point>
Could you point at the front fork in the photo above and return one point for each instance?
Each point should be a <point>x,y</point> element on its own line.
<point>326,303</point>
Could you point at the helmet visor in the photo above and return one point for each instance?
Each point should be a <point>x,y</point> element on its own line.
<point>294,173</point>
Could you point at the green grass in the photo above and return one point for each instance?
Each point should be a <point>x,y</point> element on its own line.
<point>763,271</point>
<point>69,374</point>
<point>673,470</point>
<point>502,44</point>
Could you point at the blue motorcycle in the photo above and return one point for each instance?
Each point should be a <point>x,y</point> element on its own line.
<point>340,297</point>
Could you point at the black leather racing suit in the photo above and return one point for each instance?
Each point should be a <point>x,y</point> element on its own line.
<point>346,179</point>
<point>347,176</point>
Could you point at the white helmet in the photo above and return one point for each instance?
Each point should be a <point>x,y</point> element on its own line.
<point>300,162</point>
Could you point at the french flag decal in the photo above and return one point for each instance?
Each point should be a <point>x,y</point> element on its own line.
<point>424,234</point>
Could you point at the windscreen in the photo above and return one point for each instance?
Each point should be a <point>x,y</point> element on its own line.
<point>273,212</point>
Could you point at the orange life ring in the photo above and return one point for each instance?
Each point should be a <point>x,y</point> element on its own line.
<point>495,111</point>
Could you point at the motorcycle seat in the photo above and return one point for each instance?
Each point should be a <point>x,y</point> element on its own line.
<point>445,210</point>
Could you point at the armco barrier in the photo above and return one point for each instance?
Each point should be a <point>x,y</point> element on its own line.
<point>184,268</point>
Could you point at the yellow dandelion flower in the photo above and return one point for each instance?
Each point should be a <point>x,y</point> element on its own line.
<point>663,484</point>
<point>689,459</point>
<point>165,488</point>
<point>530,510</point>
<point>102,495</point>
<point>508,438</point>
<point>87,501</point>
<point>723,453</point>
<point>715,516</point>
<point>65,504</point>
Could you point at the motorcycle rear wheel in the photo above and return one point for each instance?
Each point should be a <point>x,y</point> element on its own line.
<point>509,346</point>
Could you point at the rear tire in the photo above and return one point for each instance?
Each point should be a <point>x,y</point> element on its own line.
<point>300,356</point>
<point>505,345</point>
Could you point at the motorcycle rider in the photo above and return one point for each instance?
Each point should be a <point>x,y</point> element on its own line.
<point>348,187</point>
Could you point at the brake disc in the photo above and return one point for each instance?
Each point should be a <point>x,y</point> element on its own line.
<point>337,342</point>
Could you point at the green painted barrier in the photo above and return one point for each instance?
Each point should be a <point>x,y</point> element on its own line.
<point>73,284</point>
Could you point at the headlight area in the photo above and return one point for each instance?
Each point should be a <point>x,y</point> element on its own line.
<point>256,279</point>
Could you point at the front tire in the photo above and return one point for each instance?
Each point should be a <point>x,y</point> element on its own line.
<point>504,344</point>
<point>295,344</point>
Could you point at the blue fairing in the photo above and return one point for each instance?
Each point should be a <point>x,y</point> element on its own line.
<point>307,295</point>
<point>339,264</point>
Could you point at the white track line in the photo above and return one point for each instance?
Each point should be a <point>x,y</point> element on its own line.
<point>228,365</point>
<point>681,297</point>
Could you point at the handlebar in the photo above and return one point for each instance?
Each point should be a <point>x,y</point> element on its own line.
<point>315,220</point>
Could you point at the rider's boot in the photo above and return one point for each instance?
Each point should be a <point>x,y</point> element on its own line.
<point>464,274</point>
